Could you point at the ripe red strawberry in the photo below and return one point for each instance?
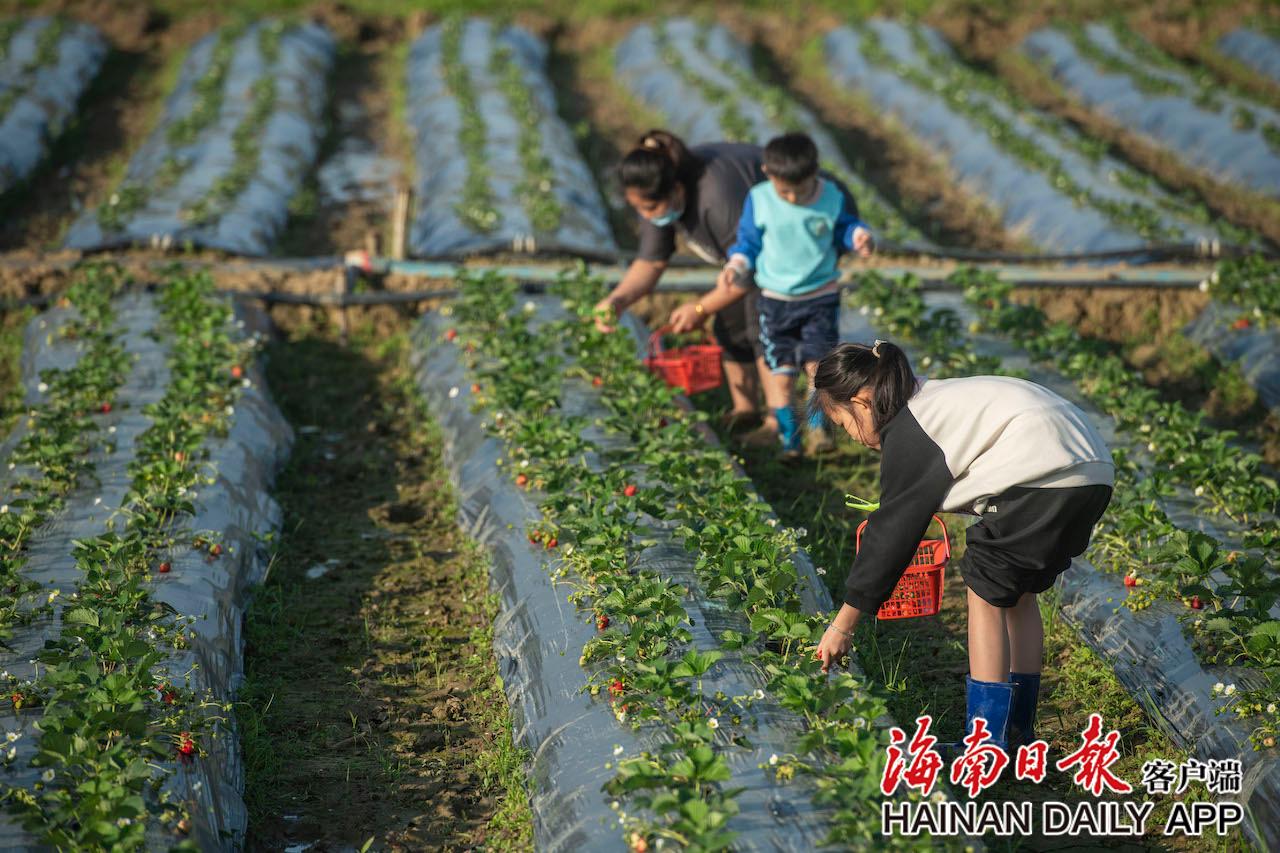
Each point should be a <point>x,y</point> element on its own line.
<point>1130,580</point>
<point>450,335</point>
<point>179,456</point>
<point>552,542</point>
<point>1196,603</point>
<point>167,694</point>
<point>663,423</point>
<point>475,387</point>
<point>533,539</point>
<point>521,480</point>
<point>105,408</point>
<point>164,567</point>
<point>186,745</point>
<point>1241,323</point>
<point>597,381</point>
<point>602,622</point>
<point>237,371</point>
<point>629,491</point>
<point>215,549</point>
<point>616,688</point>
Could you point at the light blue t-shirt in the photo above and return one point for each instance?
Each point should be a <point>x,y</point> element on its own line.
<point>793,248</point>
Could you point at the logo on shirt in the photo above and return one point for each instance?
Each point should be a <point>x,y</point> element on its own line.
<point>819,227</point>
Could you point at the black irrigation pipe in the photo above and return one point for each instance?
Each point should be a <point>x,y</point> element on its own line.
<point>1200,250</point>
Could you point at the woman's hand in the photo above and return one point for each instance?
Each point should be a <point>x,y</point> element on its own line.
<point>606,314</point>
<point>837,641</point>
<point>687,317</point>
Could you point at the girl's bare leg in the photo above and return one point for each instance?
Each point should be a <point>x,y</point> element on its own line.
<point>1026,635</point>
<point>988,641</point>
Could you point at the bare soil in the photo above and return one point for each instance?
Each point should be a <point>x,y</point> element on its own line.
<point>361,82</point>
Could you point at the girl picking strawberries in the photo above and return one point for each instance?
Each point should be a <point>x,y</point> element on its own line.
<point>1023,459</point>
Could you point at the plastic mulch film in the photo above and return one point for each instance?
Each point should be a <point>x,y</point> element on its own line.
<point>1259,52</point>
<point>236,509</point>
<point>1221,142</point>
<point>227,184</point>
<point>1255,349</point>
<point>1148,649</point>
<point>444,170</point>
<point>45,66</point>
<point>641,63</point>
<point>538,637</point>
<point>1030,203</point>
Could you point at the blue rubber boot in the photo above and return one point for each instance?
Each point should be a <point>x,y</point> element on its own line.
<point>788,431</point>
<point>990,700</point>
<point>1022,714</point>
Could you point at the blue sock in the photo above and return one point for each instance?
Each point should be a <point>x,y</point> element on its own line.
<point>788,428</point>
<point>817,421</point>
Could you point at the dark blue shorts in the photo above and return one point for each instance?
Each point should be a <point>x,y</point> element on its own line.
<point>793,333</point>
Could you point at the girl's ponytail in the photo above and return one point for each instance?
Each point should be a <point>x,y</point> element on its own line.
<point>658,162</point>
<point>849,368</point>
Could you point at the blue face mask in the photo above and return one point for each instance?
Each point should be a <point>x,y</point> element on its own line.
<point>669,218</point>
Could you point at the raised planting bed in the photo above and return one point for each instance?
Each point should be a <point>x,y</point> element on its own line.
<point>1242,323</point>
<point>239,132</point>
<point>497,169</point>
<point>134,517</point>
<point>1052,186</point>
<point>700,78</point>
<point>656,622</point>
<point>1114,72</point>
<point>1257,50</point>
<point>45,66</point>
<point>1176,596</point>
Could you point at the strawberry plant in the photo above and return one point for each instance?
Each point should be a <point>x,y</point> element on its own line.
<point>109,713</point>
<point>640,658</point>
<point>535,187</point>
<point>1251,283</point>
<point>476,208</point>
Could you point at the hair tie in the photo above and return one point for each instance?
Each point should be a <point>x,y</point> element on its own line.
<point>875,350</point>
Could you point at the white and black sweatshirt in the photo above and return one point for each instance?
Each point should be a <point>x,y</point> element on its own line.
<point>956,444</point>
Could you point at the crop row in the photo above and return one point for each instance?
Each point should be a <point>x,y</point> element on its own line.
<point>240,128</point>
<point>701,79</point>
<point>497,167</point>
<point>593,521</point>
<point>1227,594</point>
<point>1129,81</point>
<point>981,123</point>
<point>45,66</point>
<point>116,717</point>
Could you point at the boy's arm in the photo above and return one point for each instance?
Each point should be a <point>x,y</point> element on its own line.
<point>743,253</point>
<point>850,232</point>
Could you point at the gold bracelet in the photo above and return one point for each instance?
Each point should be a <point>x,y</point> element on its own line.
<point>698,309</point>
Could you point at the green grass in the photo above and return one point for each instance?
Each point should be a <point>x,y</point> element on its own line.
<point>372,691</point>
<point>12,323</point>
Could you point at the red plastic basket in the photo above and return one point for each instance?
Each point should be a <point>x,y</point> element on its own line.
<point>919,591</point>
<point>693,368</point>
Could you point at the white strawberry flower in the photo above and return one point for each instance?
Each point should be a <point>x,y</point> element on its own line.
<point>4,509</point>
<point>1229,690</point>
<point>42,387</point>
<point>1271,709</point>
<point>1204,286</point>
<point>1218,688</point>
<point>12,736</point>
<point>12,753</point>
<point>1199,491</point>
<point>453,392</point>
<point>713,723</point>
<point>773,760</point>
<point>759,694</point>
<point>617,749</point>
<point>47,775</point>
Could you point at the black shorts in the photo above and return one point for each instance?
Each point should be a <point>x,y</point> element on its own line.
<point>796,333</point>
<point>737,329</point>
<point>1027,537</point>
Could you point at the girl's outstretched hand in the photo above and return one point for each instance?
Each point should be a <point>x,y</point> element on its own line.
<point>833,648</point>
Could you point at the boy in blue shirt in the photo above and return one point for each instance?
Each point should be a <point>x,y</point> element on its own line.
<point>792,231</point>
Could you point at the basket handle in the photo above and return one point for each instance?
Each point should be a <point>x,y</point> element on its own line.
<point>946,537</point>
<point>655,339</point>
